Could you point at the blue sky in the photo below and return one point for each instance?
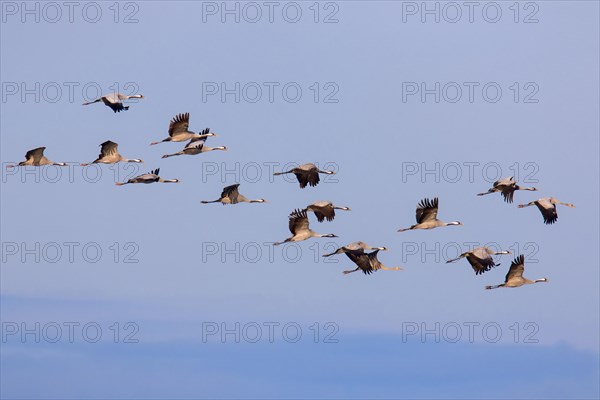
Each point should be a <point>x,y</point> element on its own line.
<point>196,264</point>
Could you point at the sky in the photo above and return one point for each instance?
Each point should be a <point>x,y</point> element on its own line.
<point>141,291</point>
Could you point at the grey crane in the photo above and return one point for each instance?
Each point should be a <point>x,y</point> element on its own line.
<point>195,146</point>
<point>36,158</point>
<point>547,207</point>
<point>506,186</point>
<point>178,130</point>
<point>307,174</point>
<point>230,195</point>
<point>109,154</point>
<point>515,278</point>
<point>298,224</point>
<point>324,210</point>
<point>356,248</point>
<point>115,101</point>
<point>150,177</point>
<point>427,216</point>
<point>480,259</point>
<point>368,263</point>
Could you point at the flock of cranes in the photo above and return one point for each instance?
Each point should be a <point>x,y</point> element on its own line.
<point>479,258</point>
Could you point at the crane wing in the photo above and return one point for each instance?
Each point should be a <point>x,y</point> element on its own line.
<point>180,123</point>
<point>298,221</point>
<point>108,148</point>
<point>517,267</point>
<point>548,210</point>
<point>196,143</point>
<point>35,154</point>
<point>323,210</point>
<point>231,192</point>
<point>480,265</point>
<point>427,210</point>
<point>363,261</point>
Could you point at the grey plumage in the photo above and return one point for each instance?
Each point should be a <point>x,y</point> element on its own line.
<point>299,227</point>
<point>426,216</point>
<point>547,207</point>
<point>324,210</point>
<point>36,158</point>
<point>355,247</point>
<point>115,101</point>
<point>514,277</point>
<point>109,154</point>
<point>306,174</point>
<point>196,146</point>
<point>179,132</point>
<point>150,177</point>
<point>507,187</point>
<point>480,259</point>
<point>367,263</point>
<point>231,195</point>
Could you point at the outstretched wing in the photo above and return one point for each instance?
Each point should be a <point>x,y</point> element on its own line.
<point>114,102</point>
<point>307,174</point>
<point>362,261</point>
<point>108,148</point>
<point>517,267</point>
<point>118,107</point>
<point>196,143</point>
<point>480,264</point>
<point>323,210</point>
<point>373,261</point>
<point>548,210</point>
<point>508,193</point>
<point>231,192</point>
<point>179,124</point>
<point>427,210</point>
<point>367,262</point>
<point>302,179</point>
<point>298,221</point>
<point>35,154</point>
